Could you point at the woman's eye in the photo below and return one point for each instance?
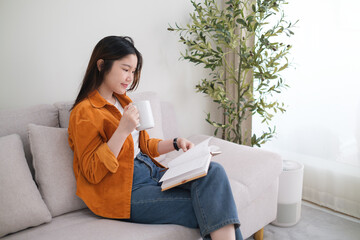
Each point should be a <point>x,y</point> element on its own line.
<point>127,70</point>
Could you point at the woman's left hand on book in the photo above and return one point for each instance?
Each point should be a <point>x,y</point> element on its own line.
<point>184,144</point>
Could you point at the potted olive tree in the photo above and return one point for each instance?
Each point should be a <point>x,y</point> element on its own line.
<point>242,45</point>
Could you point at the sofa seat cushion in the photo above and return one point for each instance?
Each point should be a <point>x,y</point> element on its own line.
<point>21,205</point>
<point>83,224</point>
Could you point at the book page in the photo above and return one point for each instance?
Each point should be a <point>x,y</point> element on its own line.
<point>196,165</point>
<point>198,150</point>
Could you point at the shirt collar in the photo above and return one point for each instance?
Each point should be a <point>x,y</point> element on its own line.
<point>97,101</point>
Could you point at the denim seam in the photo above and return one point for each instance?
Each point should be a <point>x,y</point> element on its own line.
<point>195,183</point>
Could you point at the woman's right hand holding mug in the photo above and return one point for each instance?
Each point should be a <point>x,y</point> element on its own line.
<point>129,120</point>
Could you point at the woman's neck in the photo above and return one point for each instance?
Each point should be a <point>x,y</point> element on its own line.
<point>107,95</point>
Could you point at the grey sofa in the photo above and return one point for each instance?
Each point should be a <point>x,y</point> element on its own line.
<point>37,186</point>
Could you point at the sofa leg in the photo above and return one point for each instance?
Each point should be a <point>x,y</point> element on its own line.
<point>259,235</point>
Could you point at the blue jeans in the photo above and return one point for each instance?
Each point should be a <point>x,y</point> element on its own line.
<point>206,203</point>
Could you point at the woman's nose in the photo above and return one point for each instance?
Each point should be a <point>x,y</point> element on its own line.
<point>130,78</point>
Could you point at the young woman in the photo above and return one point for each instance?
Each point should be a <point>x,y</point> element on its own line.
<point>116,173</point>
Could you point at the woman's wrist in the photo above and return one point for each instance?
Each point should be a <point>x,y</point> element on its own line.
<point>169,145</point>
<point>165,146</point>
<point>176,147</point>
<point>117,140</point>
<point>182,143</point>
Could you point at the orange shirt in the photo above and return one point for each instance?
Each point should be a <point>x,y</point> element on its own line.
<point>104,181</point>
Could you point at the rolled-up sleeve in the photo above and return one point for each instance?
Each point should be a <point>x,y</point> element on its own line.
<point>95,159</point>
<point>152,145</point>
<point>149,145</point>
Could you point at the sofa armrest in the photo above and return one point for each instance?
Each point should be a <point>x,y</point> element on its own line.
<point>244,164</point>
<point>253,167</point>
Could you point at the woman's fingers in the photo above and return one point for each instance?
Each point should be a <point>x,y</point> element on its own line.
<point>131,116</point>
<point>188,145</point>
<point>132,110</point>
<point>185,144</point>
<point>127,106</point>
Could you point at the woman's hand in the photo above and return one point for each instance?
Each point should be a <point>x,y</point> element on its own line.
<point>184,144</point>
<point>129,120</point>
<point>166,146</point>
<point>127,124</point>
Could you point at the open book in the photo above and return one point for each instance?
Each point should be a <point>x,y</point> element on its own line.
<point>190,165</point>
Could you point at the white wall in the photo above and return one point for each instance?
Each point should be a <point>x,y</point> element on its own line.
<point>45,47</point>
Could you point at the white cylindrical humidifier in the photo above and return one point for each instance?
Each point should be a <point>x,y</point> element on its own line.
<point>290,192</point>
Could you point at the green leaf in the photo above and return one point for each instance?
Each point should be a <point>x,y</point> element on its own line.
<point>241,21</point>
<point>216,131</point>
<point>253,8</point>
<point>283,67</point>
<point>256,26</point>
<point>249,19</point>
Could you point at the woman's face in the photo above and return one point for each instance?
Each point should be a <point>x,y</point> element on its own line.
<point>121,74</point>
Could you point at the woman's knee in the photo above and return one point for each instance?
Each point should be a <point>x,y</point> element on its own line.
<point>216,168</point>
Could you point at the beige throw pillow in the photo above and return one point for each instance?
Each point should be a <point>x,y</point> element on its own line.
<point>53,163</point>
<point>21,205</point>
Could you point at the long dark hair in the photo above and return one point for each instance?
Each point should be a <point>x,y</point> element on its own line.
<point>109,49</point>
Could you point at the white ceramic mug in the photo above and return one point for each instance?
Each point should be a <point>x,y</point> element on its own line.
<point>146,116</point>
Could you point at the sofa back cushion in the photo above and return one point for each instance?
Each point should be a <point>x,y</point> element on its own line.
<point>16,122</point>
<point>21,205</point>
<point>169,121</point>
<point>53,163</point>
<point>64,113</point>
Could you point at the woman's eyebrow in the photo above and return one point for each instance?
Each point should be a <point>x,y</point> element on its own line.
<point>126,65</point>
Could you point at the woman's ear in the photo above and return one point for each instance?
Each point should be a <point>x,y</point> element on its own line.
<point>100,64</point>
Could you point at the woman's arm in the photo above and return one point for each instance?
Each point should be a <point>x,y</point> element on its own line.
<point>89,149</point>
<point>96,157</point>
<point>127,124</point>
<point>166,146</point>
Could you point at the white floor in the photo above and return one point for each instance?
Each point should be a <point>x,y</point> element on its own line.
<point>316,223</point>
